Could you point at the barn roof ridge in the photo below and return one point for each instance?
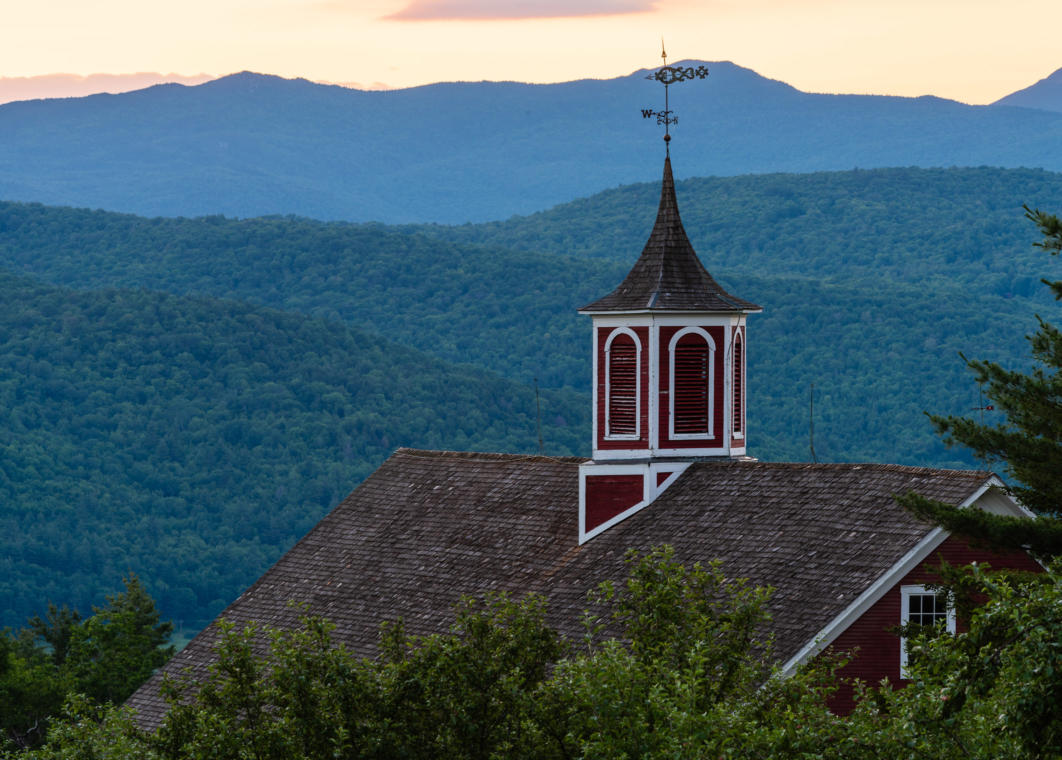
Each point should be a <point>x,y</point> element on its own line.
<point>485,455</point>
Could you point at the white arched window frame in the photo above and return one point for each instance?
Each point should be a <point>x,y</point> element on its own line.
<point>709,432</point>
<point>737,385</point>
<point>626,435</point>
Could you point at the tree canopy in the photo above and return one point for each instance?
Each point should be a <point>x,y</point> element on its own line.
<point>674,664</point>
<point>103,657</point>
<point>1028,442</point>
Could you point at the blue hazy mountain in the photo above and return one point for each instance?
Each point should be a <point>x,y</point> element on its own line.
<point>249,144</point>
<point>1045,95</point>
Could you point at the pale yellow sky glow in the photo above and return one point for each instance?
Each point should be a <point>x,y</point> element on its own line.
<point>974,51</point>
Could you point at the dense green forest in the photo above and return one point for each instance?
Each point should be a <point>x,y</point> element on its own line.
<point>193,440</point>
<point>150,426</point>
<point>514,314</point>
<point>935,228</point>
<point>508,301</point>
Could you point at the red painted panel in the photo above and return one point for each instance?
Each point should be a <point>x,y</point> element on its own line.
<point>608,495</point>
<point>662,476</point>
<point>718,335</point>
<point>642,442</point>
<point>873,634</point>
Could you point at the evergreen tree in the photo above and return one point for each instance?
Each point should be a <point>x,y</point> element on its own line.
<point>1028,442</point>
<point>100,659</point>
<point>119,647</point>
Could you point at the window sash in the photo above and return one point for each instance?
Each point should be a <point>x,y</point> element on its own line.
<point>923,606</point>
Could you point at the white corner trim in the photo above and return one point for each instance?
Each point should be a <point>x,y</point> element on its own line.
<point>654,385</point>
<point>657,467</point>
<point>608,455</point>
<point>594,386</point>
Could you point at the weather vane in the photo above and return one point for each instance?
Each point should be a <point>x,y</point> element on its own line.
<point>666,75</point>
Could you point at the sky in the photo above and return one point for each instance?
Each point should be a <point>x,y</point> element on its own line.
<point>974,51</point>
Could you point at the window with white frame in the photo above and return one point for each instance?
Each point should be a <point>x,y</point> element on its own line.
<point>923,606</point>
<point>623,385</point>
<point>692,353</point>
<point>738,387</point>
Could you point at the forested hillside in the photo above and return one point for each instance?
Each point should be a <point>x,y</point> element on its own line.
<point>504,295</point>
<point>514,313</point>
<point>937,228</point>
<point>193,440</point>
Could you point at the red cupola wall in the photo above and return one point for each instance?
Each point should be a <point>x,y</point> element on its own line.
<point>669,374</point>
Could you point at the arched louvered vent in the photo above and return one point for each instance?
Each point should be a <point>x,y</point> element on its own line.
<point>691,397</point>
<point>622,384</point>
<point>739,385</point>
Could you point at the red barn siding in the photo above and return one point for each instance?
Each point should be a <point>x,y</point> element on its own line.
<point>608,495</point>
<point>871,640</point>
<point>642,442</point>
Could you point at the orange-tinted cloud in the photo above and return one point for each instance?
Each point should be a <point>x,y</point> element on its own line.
<point>489,10</point>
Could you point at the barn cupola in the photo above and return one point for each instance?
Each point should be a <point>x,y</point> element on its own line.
<point>669,382</point>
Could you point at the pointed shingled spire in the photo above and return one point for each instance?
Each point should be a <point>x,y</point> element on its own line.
<point>668,276</point>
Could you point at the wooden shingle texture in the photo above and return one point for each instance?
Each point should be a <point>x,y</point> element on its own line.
<point>668,276</point>
<point>428,527</point>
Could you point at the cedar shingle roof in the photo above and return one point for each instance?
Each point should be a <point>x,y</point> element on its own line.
<point>427,527</point>
<point>668,276</point>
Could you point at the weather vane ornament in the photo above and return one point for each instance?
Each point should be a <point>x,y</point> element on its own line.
<point>667,75</point>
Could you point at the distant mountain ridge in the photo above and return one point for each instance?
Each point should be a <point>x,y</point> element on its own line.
<point>249,144</point>
<point>1045,95</point>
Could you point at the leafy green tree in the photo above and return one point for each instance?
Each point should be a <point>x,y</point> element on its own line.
<point>86,731</point>
<point>31,690</point>
<point>675,664</point>
<point>468,693</point>
<point>687,673</point>
<point>118,648</point>
<point>1028,442</point>
<point>989,693</point>
<point>465,693</point>
<point>102,658</point>
<point>56,629</point>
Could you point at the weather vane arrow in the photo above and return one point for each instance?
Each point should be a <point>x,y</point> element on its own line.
<point>668,75</point>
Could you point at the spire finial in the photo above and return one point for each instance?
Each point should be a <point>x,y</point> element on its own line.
<point>666,75</point>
